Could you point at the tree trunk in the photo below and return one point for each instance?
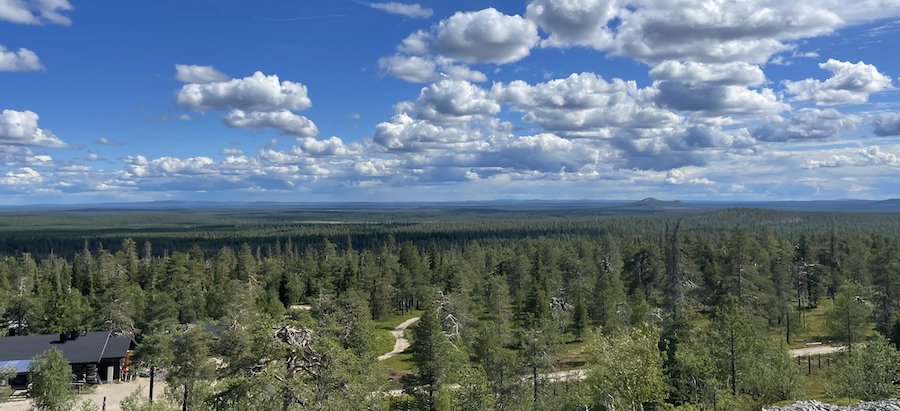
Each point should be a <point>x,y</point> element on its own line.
<point>286,399</point>
<point>849,332</point>
<point>733,367</point>
<point>431,398</point>
<point>788,325</point>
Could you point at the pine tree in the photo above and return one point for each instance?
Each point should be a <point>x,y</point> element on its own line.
<point>850,318</point>
<point>886,279</point>
<point>430,350</point>
<point>580,320</point>
<point>191,368</point>
<point>501,365</point>
<point>535,311</point>
<point>608,305</point>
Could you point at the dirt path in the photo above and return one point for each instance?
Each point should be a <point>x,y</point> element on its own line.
<point>561,376</point>
<point>401,343</point>
<point>581,374</point>
<point>817,350</point>
<point>114,394</point>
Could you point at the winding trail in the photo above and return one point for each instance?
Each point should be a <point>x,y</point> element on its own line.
<point>401,343</point>
<point>572,375</point>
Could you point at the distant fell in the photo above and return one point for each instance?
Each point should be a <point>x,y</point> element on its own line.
<point>650,205</point>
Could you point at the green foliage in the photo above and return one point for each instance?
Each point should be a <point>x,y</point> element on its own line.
<point>135,402</point>
<point>850,318</point>
<point>535,309</point>
<point>505,290</point>
<point>747,359</point>
<point>580,320</point>
<point>693,375</point>
<point>6,373</point>
<point>155,350</point>
<point>431,353</point>
<point>473,392</point>
<point>870,372</point>
<point>51,379</point>
<point>502,366</point>
<point>191,369</point>
<point>626,372</point>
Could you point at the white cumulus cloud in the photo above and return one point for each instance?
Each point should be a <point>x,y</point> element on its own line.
<point>454,100</point>
<point>199,74</point>
<point>404,133</point>
<point>424,69</point>
<point>728,74</point>
<point>805,125</point>
<point>885,124</point>
<point>585,103</point>
<point>709,31</point>
<point>255,93</point>
<point>849,83</point>
<point>24,176</point>
<point>20,128</point>
<point>579,22</point>
<point>47,11</point>
<point>486,36</point>
<point>287,123</point>
<point>232,152</point>
<point>22,60</point>
<point>413,11</point>
<point>714,101</point>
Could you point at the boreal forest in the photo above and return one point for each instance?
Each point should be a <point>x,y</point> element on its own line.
<point>572,310</point>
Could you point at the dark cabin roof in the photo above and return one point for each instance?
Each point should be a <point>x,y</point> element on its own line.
<point>87,348</point>
<point>118,347</point>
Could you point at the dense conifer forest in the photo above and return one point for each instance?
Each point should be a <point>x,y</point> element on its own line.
<point>575,311</point>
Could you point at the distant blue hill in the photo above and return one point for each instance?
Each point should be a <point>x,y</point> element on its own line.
<point>645,206</point>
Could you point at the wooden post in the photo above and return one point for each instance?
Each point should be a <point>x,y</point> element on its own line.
<point>152,375</point>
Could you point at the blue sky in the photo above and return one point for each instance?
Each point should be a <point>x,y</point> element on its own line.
<point>338,100</point>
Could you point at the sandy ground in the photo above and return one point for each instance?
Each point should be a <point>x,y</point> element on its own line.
<point>114,394</point>
<point>821,349</point>
<point>402,343</point>
<point>560,376</point>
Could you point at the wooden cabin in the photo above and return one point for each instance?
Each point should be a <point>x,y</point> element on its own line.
<point>95,357</point>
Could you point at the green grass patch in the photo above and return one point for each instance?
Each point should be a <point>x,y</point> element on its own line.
<point>815,386</point>
<point>401,364</point>
<point>384,341</point>
<point>813,327</point>
<point>392,322</point>
<point>574,354</point>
